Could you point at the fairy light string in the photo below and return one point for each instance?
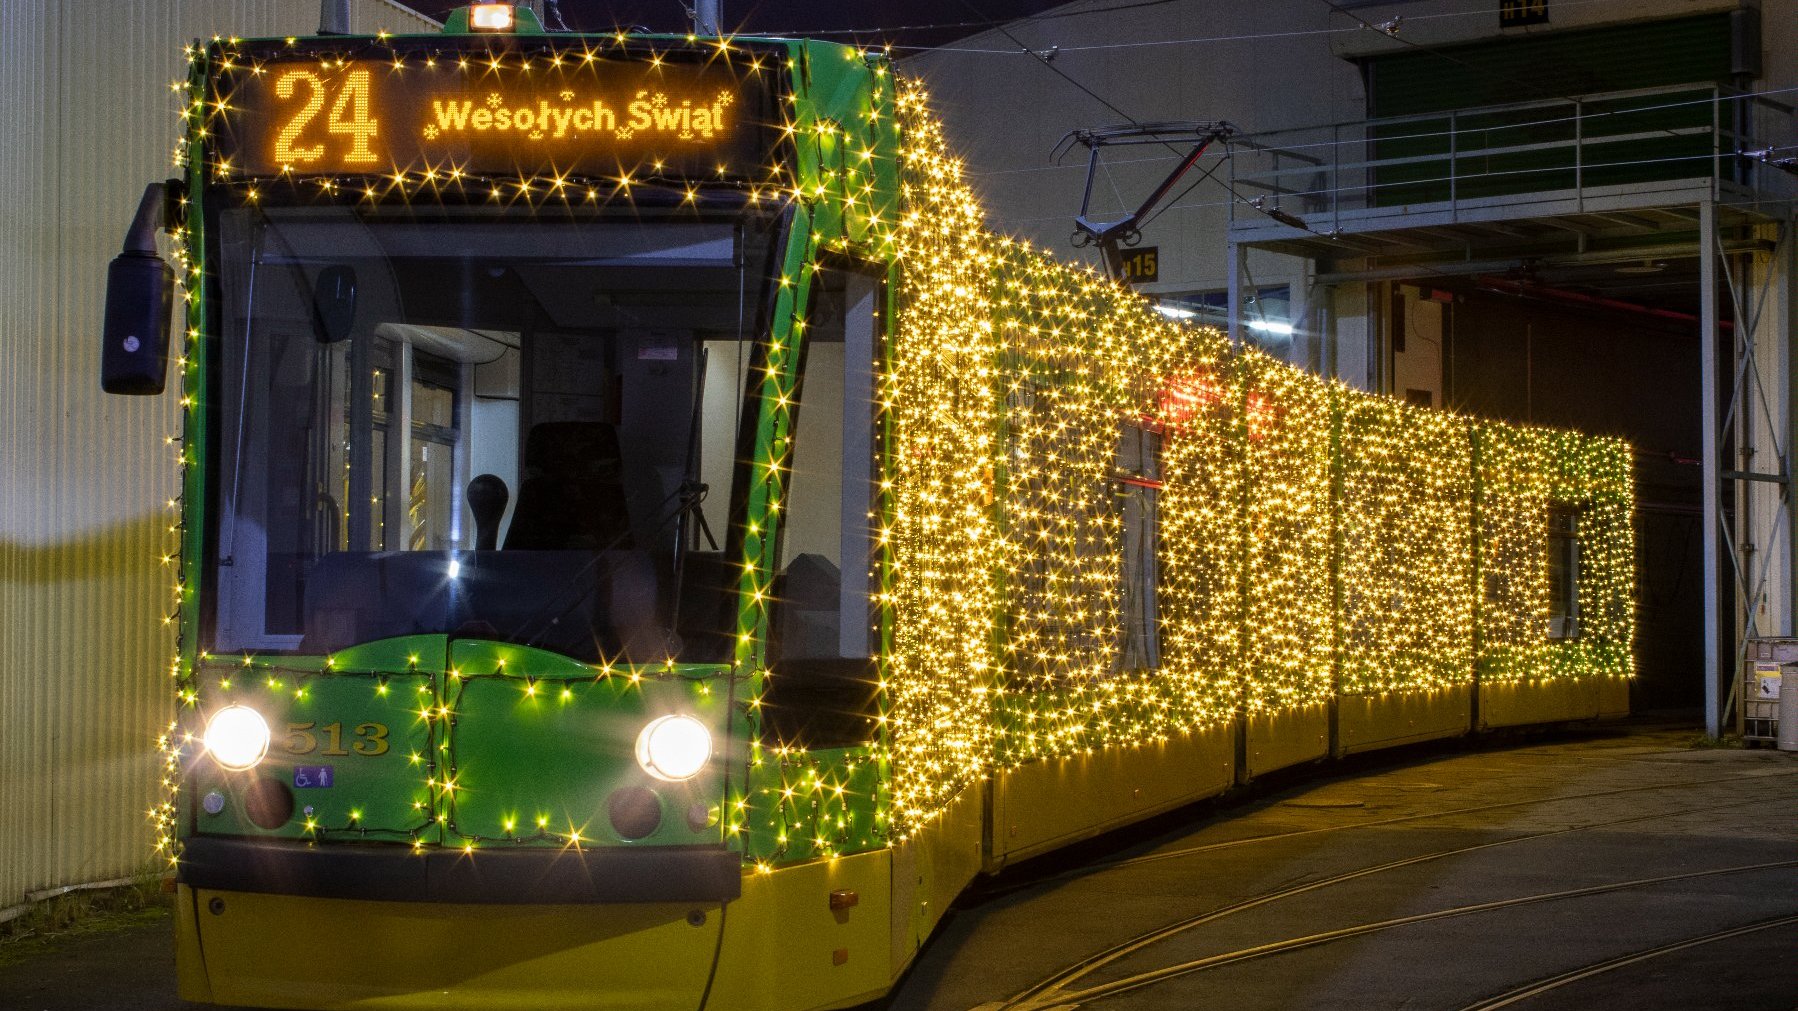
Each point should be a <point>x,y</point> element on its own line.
<point>1308,539</point>
<point>1312,538</point>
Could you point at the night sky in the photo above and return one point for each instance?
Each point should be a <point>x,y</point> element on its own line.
<point>928,22</point>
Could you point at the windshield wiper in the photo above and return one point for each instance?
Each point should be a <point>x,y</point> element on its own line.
<point>693,492</point>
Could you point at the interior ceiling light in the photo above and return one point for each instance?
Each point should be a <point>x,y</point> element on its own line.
<point>1645,267</point>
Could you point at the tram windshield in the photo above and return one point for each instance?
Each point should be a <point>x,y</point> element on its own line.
<point>483,424</point>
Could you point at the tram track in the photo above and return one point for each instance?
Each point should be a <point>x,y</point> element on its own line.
<point>1045,991</point>
<point>1052,992</point>
<point>1086,870</point>
<point>1637,957</point>
<point>1067,1000</point>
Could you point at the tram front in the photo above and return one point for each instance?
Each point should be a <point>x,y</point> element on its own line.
<point>478,338</point>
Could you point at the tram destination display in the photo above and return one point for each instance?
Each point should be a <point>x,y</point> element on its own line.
<point>555,115</point>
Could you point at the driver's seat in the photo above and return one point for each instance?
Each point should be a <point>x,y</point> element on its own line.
<point>572,497</point>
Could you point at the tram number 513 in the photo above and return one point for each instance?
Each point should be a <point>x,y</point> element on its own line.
<point>348,117</point>
<point>303,739</point>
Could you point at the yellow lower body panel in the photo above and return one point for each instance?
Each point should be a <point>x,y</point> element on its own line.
<point>1051,802</point>
<point>784,949</point>
<point>1613,695</point>
<point>1368,722</point>
<point>787,949</point>
<point>1278,738</point>
<point>931,867</point>
<point>291,952</point>
<point>1538,700</point>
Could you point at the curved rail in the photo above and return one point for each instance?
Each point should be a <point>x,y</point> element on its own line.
<point>1375,823</point>
<point>1598,968</point>
<point>1164,973</point>
<point>1052,992</point>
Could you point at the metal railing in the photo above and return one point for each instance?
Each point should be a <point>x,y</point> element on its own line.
<point>1640,140</point>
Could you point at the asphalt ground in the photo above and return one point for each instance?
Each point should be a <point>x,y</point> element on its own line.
<point>1600,868</point>
<point>1620,867</point>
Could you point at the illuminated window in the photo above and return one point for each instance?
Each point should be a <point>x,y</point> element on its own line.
<point>821,628</point>
<point>433,491</point>
<point>426,509</point>
<point>1139,490</point>
<point>1266,312</point>
<point>1563,573</point>
<point>1062,514</point>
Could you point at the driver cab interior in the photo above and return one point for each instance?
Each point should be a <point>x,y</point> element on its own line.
<point>482,426</point>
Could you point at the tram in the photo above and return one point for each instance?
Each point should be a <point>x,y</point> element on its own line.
<point>644,542</point>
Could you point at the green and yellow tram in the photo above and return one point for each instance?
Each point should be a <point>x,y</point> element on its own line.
<point>644,543</point>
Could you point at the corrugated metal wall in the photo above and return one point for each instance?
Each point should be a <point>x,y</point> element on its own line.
<point>86,119</point>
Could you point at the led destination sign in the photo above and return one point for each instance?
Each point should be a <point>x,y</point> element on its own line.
<point>493,115</point>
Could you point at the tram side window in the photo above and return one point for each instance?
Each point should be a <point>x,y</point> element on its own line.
<point>821,689</point>
<point>1139,488</point>
<point>1563,573</point>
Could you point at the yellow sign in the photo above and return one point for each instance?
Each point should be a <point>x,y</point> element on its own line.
<point>370,739</point>
<point>1141,265</point>
<point>648,113</point>
<point>516,115</point>
<point>305,93</point>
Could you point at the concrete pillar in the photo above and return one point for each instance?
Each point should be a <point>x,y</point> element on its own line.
<point>1775,331</point>
<point>1351,337</point>
<point>1763,429</point>
<point>1765,326</point>
<point>1300,352</point>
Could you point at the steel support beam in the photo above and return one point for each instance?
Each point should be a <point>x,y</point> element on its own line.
<point>1233,254</point>
<point>1712,468</point>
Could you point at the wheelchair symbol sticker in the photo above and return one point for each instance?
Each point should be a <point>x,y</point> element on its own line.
<point>311,777</point>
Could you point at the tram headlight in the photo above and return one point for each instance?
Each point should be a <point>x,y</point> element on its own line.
<point>674,748</point>
<point>237,737</point>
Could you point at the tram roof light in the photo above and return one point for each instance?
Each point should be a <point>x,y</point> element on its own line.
<point>491,17</point>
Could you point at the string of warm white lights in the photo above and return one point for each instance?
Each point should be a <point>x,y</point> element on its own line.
<point>1307,539</point>
<point>1313,539</point>
<point>1407,558</point>
<point>183,558</point>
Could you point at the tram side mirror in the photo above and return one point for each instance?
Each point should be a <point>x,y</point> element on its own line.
<point>334,303</point>
<point>140,296</point>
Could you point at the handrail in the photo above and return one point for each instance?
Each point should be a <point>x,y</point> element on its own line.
<point>1442,156</point>
<point>1327,168</point>
<point>1719,93</point>
<point>1260,141</point>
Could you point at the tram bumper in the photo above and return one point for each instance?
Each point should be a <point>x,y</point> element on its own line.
<point>278,925</point>
<point>815,935</point>
<point>489,876</point>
